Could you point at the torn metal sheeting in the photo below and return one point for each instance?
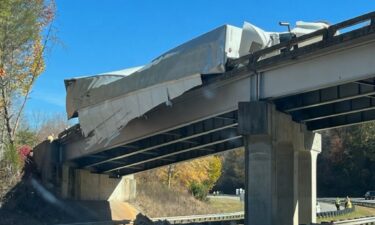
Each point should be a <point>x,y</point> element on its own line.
<point>203,55</point>
<point>109,117</point>
<point>106,103</point>
<point>79,89</point>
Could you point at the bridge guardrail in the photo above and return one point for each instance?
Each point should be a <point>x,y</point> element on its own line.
<point>328,35</point>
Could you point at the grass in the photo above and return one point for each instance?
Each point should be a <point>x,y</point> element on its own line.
<point>359,212</point>
<point>156,200</point>
<point>222,205</point>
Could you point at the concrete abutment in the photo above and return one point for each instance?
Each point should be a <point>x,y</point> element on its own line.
<point>72,183</point>
<point>81,184</point>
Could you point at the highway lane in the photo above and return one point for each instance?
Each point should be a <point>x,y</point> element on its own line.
<point>324,206</point>
<point>353,200</point>
<point>363,200</point>
<point>327,207</point>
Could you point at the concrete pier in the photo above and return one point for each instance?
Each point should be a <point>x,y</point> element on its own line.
<point>307,178</point>
<point>276,189</point>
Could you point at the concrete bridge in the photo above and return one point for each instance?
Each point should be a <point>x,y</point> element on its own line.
<point>271,106</point>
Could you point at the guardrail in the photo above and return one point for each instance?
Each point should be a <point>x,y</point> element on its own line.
<point>236,216</point>
<point>358,221</point>
<point>365,204</point>
<point>335,213</point>
<point>354,202</point>
<point>327,35</point>
<point>239,216</point>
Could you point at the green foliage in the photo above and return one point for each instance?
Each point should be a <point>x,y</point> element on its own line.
<point>21,24</point>
<point>22,44</point>
<point>199,190</point>
<point>26,137</point>
<point>12,158</point>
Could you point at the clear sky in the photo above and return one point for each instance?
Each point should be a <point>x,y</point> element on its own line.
<point>107,35</point>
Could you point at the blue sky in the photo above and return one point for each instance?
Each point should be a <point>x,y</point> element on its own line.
<point>102,36</point>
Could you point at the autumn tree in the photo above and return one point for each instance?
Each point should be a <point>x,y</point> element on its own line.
<point>204,170</point>
<point>25,27</point>
<point>184,176</point>
<point>347,163</point>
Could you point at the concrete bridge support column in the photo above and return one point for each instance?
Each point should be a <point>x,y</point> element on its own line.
<point>307,178</point>
<point>272,145</point>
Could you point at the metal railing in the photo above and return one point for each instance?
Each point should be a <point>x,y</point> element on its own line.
<point>236,216</point>
<point>357,221</point>
<point>335,213</point>
<point>291,50</point>
<point>364,204</point>
<point>354,202</point>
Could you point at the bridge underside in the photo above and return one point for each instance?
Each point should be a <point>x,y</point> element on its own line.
<point>202,138</point>
<point>331,107</point>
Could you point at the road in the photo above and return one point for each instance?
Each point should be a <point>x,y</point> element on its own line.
<point>353,200</point>
<point>232,197</point>
<point>324,207</point>
<point>363,200</point>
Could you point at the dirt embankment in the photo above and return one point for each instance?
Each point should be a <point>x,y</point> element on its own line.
<point>29,202</point>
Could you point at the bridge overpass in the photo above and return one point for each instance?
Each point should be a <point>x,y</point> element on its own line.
<point>271,106</point>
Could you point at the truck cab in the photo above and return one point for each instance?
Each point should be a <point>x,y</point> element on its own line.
<point>370,195</point>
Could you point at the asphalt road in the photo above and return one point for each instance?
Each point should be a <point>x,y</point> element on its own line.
<point>362,200</point>
<point>353,200</point>
<point>324,207</point>
<point>232,197</point>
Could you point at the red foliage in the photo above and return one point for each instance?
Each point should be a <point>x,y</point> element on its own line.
<point>24,151</point>
<point>2,72</point>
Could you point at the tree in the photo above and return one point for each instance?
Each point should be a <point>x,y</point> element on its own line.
<point>233,176</point>
<point>23,40</point>
<point>52,124</point>
<point>195,175</point>
<point>347,161</point>
<point>204,170</point>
